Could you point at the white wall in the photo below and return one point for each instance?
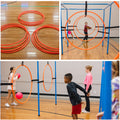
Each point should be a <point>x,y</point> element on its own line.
<point>77,68</point>
<point>114,17</point>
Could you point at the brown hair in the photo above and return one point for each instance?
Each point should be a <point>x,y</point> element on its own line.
<point>115,66</point>
<point>89,67</point>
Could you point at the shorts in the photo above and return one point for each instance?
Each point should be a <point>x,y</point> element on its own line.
<point>76,109</point>
<point>10,87</point>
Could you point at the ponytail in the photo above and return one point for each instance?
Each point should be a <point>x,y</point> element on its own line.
<point>11,69</point>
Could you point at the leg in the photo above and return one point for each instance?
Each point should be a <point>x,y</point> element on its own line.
<point>13,99</point>
<point>74,116</point>
<point>72,35</point>
<point>8,97</point>
<point>89,89</point>
<point>86,40</point>
<point>87,108</point>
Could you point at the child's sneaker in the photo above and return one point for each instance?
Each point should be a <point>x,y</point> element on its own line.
<point>7,105</point>
<point>84,111</point>
<point>14,103</point>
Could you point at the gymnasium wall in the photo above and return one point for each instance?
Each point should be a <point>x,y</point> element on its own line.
<point>77,68</point>
<point>114,18</point>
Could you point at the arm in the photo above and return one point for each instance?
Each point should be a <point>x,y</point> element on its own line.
<point>80,88</point>
<point>88,27</point>
<point>14,78</point>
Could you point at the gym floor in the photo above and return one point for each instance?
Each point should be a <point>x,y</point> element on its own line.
<point>97,53</point>
<point>50,37</point>
<point>48,109</point>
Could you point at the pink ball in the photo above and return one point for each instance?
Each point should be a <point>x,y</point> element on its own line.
<point>19,95</point>
<point>18,74</point>
<point>69,32</point>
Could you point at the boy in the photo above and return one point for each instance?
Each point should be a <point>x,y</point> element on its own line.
<point>75,98</point>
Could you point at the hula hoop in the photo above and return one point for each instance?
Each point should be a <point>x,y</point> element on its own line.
<point>117,57</point>
<point>31,84</point>
<point>51,77</point>
<point>77,46</point>
<point>31,23</point>
<point>41,46</point>
<point>15,46</point>
<point>83,34</point>
<point>77,21</point>
<point>117,4</point>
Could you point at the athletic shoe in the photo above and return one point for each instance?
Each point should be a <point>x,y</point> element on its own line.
<point>7,105</point>
<point>14,103</point>
<point>84,111</point>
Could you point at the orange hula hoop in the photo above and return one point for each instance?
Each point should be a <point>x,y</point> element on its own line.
<point>31,23</point>
<point>117,4</point>
<point>83,34</point>
<point>117,57</point>
<point>77,21</point>
<point>31,84</point>
<point>77,46</point>
<point>47,90</point>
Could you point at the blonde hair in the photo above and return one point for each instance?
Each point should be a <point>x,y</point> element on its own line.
<point>89,67</point>
<point>115,66</point>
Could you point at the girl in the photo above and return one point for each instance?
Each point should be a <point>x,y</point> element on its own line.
<point>10,88</point>
<point>115,92</point>
<point>88,86</point>
<point>69,27</point>
<point>86,27</point>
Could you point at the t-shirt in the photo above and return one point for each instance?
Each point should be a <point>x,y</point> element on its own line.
<point>72,92</point>
<point>88,80</point>
<point>14,82</point>
<point>86,28</point>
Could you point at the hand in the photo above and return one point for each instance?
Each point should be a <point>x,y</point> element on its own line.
<point>83,103</point>
<point>88,94</point>
<point>99,115</point>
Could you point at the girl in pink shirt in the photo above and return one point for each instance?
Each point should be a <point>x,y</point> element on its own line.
<point>88,86</point>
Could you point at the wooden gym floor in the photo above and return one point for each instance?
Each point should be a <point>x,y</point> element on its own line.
<point>48,110</point>
<point>97,53</point>
<point>48,36</point>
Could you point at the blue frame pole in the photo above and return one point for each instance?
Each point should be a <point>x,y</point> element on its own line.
<point>61,35</point>
<point>108,91</point>
<point>84,3</point>
<point>55,86</point>
<point>67,26</point>
<point>38,88</point>
<point>103,26</point>
<point>109,31</point>
<point>80,9</point>
<point>102,87</point>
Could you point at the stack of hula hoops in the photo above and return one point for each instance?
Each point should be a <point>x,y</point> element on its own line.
<point>22,43</point>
